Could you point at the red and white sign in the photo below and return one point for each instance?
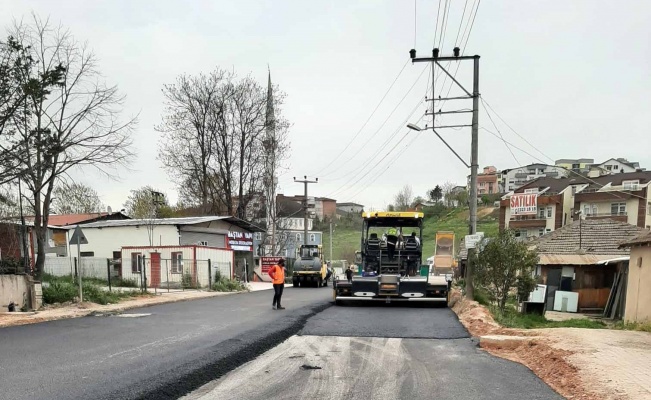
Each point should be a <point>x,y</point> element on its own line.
<point>267,262</point>
<point>240,241</point>
<point>524,204</point>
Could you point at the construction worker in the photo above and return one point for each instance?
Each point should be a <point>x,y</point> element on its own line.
<point>349,274</point>
<point>392,241</point>
<point>277,274</point>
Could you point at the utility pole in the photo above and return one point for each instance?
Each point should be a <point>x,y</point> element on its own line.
<point>474,146</point>
<point>305,182</point>
<point>330,241</point>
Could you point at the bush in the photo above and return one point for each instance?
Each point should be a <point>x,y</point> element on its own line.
<point>121,282</point>
<point>59,292</point>
<point>187,282</point>
<point>229,285</point>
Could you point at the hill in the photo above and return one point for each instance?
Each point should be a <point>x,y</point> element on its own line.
<point>346,238</point>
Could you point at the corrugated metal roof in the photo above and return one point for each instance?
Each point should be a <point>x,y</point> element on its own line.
<point>172,221</point>
<point>573,259</point>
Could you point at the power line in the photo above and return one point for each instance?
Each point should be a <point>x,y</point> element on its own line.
<point>456,40</point>
<point>498,131</point>
<point>438,11</point>
<point>444,24</point>
<point>381,126</point>
<point>367,120</point>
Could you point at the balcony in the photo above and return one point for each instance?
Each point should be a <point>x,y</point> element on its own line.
<point>620,216</point>
<point>532,221</point>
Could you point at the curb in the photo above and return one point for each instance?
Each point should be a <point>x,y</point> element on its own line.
<point>86,313</point>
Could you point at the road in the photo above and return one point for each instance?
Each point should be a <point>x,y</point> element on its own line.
<point>378,353</point>
<point>175,349</point>
<point>236,347</point>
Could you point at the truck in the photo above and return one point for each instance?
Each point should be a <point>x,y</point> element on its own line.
<point>310,269</point>
<point>444,262</point>
<point>391,263</point>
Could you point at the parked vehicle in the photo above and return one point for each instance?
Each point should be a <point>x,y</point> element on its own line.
<point>310,269</point>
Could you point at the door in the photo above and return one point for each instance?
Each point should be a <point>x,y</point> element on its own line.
<point>553,283</point>
<point>155,269</point>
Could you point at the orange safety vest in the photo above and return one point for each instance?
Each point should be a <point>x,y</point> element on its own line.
<point>277,274</point>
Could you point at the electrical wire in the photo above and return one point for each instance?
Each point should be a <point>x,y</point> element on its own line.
<point>456,40</point>
<point>383,123</point>
<point>367,120</point>
<point>444,24</point>
<point>438,11</point>
<point>498,131</point>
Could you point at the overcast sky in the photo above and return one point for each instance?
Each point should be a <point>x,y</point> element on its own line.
<point>573,78</point>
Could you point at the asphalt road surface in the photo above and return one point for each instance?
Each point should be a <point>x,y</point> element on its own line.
<point>378,353</point>
<point>175,349</point>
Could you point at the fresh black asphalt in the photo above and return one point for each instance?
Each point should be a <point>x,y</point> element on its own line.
<point>182,346</point>
<point>176,349</point>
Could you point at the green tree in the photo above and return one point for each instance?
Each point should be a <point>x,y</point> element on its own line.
<point>505,264</point>
<point>436,194</point>
<point>148,203</point>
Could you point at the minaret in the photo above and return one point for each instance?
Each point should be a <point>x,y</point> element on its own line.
<point>270,166</point>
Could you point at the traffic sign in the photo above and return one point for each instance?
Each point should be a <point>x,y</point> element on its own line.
<point>472,240</point>
<point>78,237</point>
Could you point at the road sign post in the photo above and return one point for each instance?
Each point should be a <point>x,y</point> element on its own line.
<point>79,238</point>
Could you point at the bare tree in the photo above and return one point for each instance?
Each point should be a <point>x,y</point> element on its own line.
<point>73,123</point>
<point>403,199</point>
<point>215,143</point>
<point>75,198</point>
<point>148,204</point>
<point>448,193</point>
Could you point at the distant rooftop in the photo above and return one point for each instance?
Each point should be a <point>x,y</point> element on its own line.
<point>172,221</point>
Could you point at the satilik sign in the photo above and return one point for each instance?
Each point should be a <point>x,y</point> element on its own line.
<point>240,241</point>
<point>524,204</point>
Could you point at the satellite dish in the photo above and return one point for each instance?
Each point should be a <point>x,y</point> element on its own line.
<point>108,209</point>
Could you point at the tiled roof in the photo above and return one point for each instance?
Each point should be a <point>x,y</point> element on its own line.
<point>644,238</point>
<point>71,219</point>
<point>597,236</point>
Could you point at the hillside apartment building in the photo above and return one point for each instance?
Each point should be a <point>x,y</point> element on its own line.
<point>550,203</point>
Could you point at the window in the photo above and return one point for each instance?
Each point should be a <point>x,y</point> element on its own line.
<point>550,211</point>
<point>258,236</point>
<point>576,166</point>
<point>312,237</point>
<point>87,254</point>
<point>541,231</point>
<point>631,185</point>
<point>177,262</point>
<point>203,243</point>
<point>615,166</point>
<point>298,237</point>
<point>594,209</point>
<point>618,209</point>
<point>541,212</point>
<point>586,209</point>
<point>608,168</point>
<point>548,230</point>
<point>136,262</point>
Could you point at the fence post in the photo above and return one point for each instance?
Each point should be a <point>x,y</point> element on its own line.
<point>144,271</point>
<point>209,276</point>
<point>108,272</point>
<point>167,275</point>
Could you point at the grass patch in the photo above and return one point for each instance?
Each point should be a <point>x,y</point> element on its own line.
<point>223,284</point>
<point>633,326</point>
<point>62,291</point>
<point>514,319</point>
<point>115,282</point>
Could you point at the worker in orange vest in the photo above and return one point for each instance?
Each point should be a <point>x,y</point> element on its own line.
<point>277,274</point>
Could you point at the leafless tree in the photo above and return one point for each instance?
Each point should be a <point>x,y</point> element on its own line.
<point>75,198</point>
<point>148,204</point>
<point>215,144</point>
<point>73,124</point>
<point>403,199</point>
<point>448,193</point>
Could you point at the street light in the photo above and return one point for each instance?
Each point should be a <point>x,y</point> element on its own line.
<point>414,127</point>
<point>417,128</point>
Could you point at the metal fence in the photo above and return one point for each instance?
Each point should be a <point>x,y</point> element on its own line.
<point>143,272</point>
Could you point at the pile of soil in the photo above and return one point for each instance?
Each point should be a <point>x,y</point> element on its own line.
<point>549,363</point>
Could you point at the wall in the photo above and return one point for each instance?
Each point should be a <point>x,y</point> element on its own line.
<point>638,296</point>
<point>14,288</point>
<point>104,241</point>
<point>647,224</point>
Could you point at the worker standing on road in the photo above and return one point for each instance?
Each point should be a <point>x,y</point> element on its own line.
<point>277,274</point>
<point>349,274</point>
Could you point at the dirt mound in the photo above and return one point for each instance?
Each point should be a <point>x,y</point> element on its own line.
<point>549,363</point>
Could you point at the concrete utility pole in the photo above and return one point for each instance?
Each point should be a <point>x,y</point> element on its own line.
<point>330,241</point>
<point>305,182</point>
<point>474,150</point>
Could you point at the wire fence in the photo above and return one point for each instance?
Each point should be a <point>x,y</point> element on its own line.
<point>142,272</point>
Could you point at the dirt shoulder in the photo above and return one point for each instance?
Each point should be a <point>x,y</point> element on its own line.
<point>577,363</point>
<point>51,313</point>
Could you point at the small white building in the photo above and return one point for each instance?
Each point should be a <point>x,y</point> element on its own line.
<point>106,239</point>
